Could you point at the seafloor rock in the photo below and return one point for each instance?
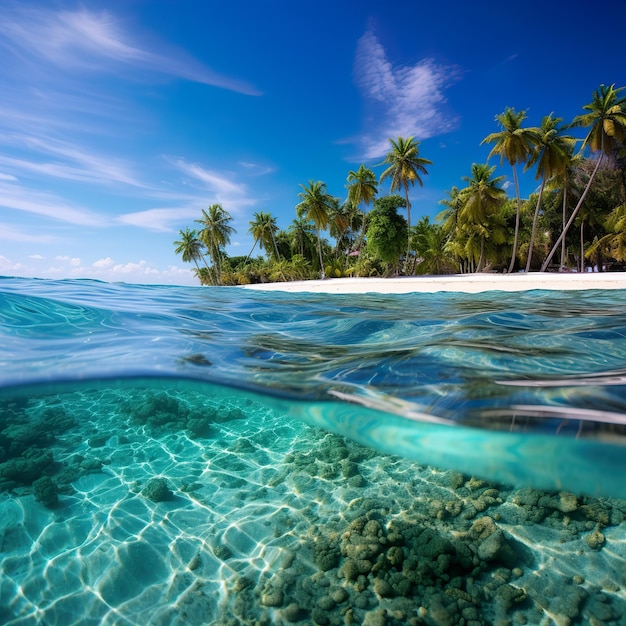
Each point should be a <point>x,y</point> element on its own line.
<point>46,491</point>
<point>596,539</point>
<point>156,489</point>
<point>563,501</point>
<point>28,467</point>
<point>327,552</point>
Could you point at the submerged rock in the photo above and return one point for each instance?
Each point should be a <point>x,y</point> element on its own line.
<point>156,489</point>
<point>596,539</point>
<point>46,491</point>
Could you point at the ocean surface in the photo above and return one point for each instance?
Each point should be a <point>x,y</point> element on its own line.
<point>195,456</point>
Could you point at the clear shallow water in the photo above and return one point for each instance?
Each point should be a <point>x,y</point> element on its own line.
<point>217,456</point>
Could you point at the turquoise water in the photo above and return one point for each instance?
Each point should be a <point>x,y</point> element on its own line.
<point>174,455</point>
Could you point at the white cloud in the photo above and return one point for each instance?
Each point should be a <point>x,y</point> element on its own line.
<point>7,177</point>
<point>8,266</point>
<point>75,261</point>
<point>136,272</point>
<point>103,269</point>
<point>91,41</point>
<point>104,263</point>
<point>405,101</point>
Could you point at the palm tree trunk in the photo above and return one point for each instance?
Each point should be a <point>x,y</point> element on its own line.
<point>275,247</point>
<point>534,228</point>
<point>582,246</point>
<point>517,216</point>
<point>251,251</point>
<point>319,250</point>
<point>482,254</point>
<point>216,265</point>
<point>408,220</point>
<point>564,221</point>
<point>572,217</point>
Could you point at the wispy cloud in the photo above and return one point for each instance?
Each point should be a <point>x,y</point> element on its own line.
<point>206,187</point>
<point>162,220</point>
<point>97,41</point>
<point>61,159</point>
<point>403,100</point>
<point>217,186</point>
<point>19,198</point>
<point>254,169</point>
<point>11,233</point>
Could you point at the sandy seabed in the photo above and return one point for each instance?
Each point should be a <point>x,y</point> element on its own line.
<point>466,283</point>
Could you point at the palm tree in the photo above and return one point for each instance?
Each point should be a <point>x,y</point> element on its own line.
<point>616,237</point>
<point>362,189</point>
<point>316,205</point>
<point>429,243</point>
<point>301,238</point>
<point>449,219</point>
<point>264,228</point>
<point>190,247</point>
<point>405,167</point>
<point>339,221</point>
<point>607,118</point>
<point>564,180</point>
<point>514,144</point>
<point>551,155</point>
<point>215,235</point>
<point>481,200</point>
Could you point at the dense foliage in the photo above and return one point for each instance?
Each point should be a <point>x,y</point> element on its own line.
<point>576,219</point>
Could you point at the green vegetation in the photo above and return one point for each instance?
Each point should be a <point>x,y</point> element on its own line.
<point>481,228</point>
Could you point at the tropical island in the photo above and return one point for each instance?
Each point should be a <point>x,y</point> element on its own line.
<point>575,220</point>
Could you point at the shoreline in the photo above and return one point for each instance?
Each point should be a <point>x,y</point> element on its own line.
<point>465,283</point>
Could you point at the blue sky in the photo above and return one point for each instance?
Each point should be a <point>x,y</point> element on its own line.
<point>121,120</point>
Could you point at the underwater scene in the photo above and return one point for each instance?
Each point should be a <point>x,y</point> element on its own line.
<point>223,456</point>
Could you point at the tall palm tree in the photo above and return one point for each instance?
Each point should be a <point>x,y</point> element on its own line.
<point>405,168</point>
<point>606,115</point>
<point>190,247</point>
<point>515,144</point>
<point>362,189</point>
<point>481,200</point>
<point>551,155</point>
<point>215,235</point>
<point>264,228</point>
<point>564,180</point>
<point>316,205</point>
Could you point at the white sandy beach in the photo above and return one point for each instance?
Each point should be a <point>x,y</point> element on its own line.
<point>467,283</point>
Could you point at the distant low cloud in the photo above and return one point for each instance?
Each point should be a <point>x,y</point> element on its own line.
<point>75,261</point>
<point>403,100</point>
<point>97,41</point>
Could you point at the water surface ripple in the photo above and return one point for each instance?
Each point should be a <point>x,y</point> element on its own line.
<point>545,362</point>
